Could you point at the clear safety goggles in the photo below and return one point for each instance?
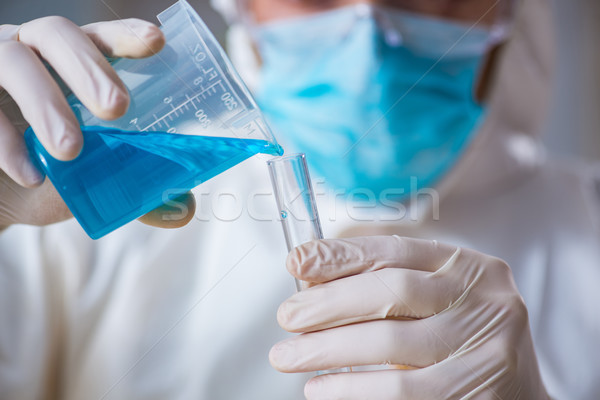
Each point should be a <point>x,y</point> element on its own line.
<point>414,24</point>
<point>423,34</point>
<point>487,12</point>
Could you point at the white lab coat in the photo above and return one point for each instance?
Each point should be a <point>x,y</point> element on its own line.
<point>146,313</point>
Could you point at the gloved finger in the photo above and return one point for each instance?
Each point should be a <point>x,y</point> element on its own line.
<point>469,375</point>
<point>380,385</point>
<point>9,32</point>
<point>413,343</point>
<point>389,293</point>
<point>14,158</point>
<point>131,38</point>
<point>174,213</point>
<point>79,63</point>
<point>325,260</point>
<point>40,100</point>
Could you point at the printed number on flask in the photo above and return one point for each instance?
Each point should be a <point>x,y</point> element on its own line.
<point>202,118</point>
<point>229,101</point>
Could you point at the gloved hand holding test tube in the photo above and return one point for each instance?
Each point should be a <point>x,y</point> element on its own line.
<point>297,207</point>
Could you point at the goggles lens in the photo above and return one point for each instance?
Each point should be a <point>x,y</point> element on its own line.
<point>486,12</point>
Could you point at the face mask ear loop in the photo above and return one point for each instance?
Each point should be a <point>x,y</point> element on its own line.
<point>391,34</point>
<point>501,29</point>
<point>499,34</point>
<point>361,11</point>
<point>246,19</point>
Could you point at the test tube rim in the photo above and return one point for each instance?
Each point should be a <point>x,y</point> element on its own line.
<point>286,157</point>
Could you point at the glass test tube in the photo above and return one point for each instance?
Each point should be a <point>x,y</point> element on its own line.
<point>297,207</point>
<point>295,200</point>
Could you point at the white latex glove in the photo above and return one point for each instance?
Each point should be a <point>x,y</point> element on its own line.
<point>452,316</point>
<point>30,96</point>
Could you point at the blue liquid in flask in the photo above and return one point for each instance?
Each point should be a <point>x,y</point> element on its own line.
<point>120,176</point>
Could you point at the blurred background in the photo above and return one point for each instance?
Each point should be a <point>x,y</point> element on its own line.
<point>573,123</point>
<point>87,11</point>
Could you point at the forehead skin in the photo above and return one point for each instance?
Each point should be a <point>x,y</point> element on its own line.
<point>485,11</point>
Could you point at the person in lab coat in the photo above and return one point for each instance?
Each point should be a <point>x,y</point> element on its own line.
<point>481,288</point>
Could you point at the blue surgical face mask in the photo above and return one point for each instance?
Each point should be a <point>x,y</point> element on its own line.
<point>374,97</point>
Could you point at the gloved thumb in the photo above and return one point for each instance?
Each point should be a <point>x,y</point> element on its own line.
<point>131,38</point>
<point>174,213</point>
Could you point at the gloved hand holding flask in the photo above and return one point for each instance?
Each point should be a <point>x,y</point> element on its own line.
<point>189,118</point>
<point>31,96</point>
